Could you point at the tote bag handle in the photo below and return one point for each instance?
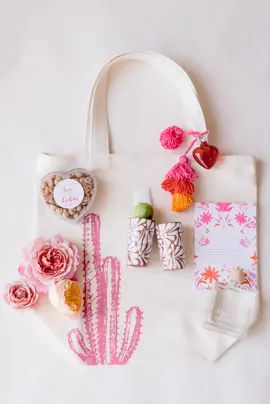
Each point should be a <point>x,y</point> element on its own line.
<point>97,130</point>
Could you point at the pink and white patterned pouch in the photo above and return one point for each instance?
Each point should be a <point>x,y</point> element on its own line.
<point>225,238</point>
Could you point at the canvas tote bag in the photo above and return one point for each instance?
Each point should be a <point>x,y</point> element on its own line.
<point>137,315</point>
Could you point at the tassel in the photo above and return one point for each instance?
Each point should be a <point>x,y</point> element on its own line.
<point>179,182</point>
<point>181,202</point>
<point>182,187</point>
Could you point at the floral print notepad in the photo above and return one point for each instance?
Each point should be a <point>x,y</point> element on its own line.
<point>225,238</point>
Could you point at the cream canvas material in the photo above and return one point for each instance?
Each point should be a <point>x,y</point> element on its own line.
<point>172,310</point>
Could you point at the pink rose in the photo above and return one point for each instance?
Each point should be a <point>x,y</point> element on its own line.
<point>21,295</point>
<point>47,261</point>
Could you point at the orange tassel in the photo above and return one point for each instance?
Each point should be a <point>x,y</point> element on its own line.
<point>181,202</point>
<point>168,184</point>
<point>182,186</point>
<point>179,182</point>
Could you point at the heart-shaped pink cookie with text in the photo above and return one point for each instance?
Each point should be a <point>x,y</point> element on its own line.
<point>69,194</point>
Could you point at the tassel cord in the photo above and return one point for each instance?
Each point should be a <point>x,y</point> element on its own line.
<point>197,136</point>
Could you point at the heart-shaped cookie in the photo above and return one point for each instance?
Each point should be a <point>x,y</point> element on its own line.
<point>69,194</point>
<point>206,155</point>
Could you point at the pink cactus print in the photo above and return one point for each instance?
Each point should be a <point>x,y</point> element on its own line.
<point>101,285</point>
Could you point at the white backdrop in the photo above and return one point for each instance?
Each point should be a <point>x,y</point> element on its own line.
<point>50,52</point>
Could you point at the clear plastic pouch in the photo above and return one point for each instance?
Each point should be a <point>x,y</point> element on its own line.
<point>229,310</point>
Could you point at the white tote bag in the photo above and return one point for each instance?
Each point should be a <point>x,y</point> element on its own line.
<point>137,315</point>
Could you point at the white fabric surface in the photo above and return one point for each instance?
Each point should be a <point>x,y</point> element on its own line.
<point>173,311</point>
<point>50,55</point>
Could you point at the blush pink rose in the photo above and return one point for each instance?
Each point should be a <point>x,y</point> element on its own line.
<point>47,261</point>
<point>21,295</point>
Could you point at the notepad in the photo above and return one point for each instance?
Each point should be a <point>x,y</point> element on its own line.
<point>224,238</point>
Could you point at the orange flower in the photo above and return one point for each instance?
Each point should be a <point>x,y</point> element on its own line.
<point>254,258</point>
<point>210,274</point>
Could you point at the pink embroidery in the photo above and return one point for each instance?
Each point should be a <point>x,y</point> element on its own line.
<point>203,205</point>
<point>224,206</point>
<point>244,242</point>
<point>206,217</point>
<point>223,220</point>
<point>241,218</point>
<point>101,307</point>
<point>204,241</point>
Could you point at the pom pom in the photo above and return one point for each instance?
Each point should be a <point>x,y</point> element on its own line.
<point>172,137</point>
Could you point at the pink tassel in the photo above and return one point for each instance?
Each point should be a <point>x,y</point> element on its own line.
<point>178,181</point>
<point>182,171</point>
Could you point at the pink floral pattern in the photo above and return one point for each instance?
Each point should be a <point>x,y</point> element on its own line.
<point>204,241</point>
<point>241,218</point>
<point>236,222</point>
<point>223,206</point>
<point>206,217</point>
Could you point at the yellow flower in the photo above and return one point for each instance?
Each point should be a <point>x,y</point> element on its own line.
<point>73,296</point>
<point>66,296</point>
